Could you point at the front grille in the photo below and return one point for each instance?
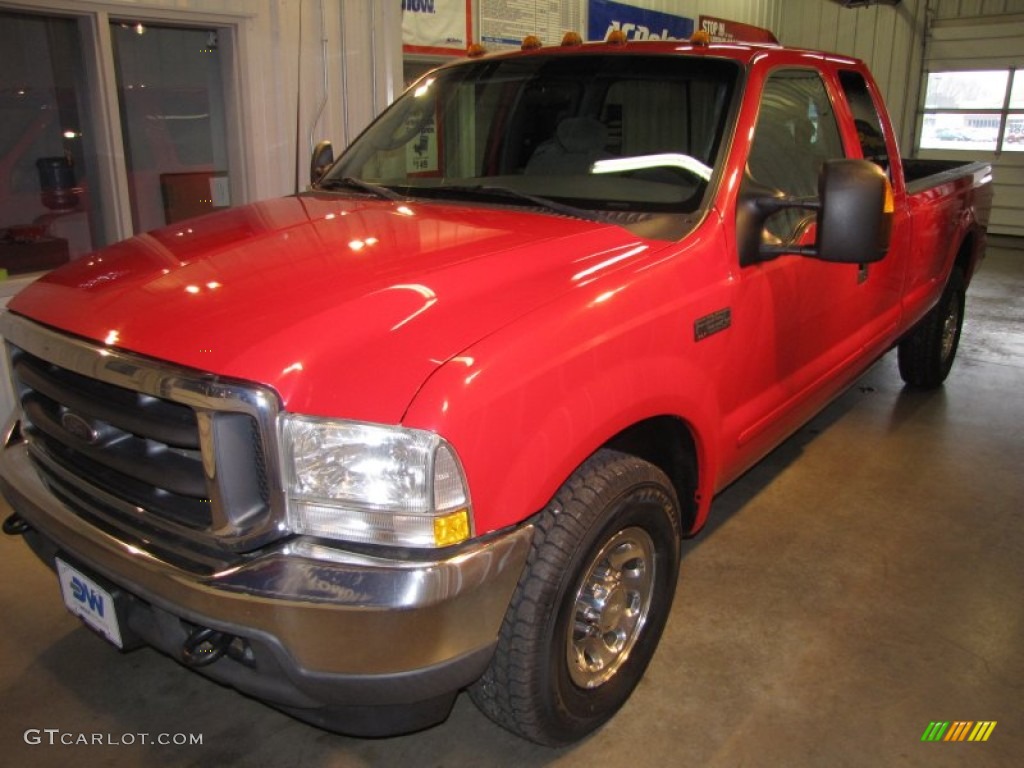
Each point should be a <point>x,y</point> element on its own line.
<point>139,448</point>
<point>146,446</point>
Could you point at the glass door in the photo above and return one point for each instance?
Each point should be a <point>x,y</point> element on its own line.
<point>50,211</point>
<point>171,95</point>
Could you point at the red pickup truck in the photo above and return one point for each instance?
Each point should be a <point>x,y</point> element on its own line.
<point>442,421</point>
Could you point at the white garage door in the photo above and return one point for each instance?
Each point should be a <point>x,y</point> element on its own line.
<point>972,105</point>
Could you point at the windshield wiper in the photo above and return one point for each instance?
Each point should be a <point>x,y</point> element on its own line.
<point>378,190</point>
<point>541,202</point>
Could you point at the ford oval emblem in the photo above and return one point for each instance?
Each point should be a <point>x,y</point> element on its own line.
<point>79,427</point>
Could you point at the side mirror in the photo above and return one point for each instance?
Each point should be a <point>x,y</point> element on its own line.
<point>854,216</point>
<point>323,158</point>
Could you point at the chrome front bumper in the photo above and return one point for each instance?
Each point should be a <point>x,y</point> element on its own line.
<point>326,615</point>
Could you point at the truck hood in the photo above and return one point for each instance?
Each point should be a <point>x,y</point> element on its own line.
<point>344,306</point>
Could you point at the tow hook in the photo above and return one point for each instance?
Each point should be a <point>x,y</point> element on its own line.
<point>203,646</point>
<point>16,525</point>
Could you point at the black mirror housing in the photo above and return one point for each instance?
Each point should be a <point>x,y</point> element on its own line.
<point>855,213</point>
<point>322,159</point>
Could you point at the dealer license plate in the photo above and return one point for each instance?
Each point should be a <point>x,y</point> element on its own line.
<point>89,601</point>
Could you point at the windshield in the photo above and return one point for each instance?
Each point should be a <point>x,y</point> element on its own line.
<point>601,132</point>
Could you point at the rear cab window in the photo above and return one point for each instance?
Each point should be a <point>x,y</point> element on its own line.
<point>870,135</point>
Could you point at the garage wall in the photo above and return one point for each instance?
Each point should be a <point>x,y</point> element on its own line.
<point>286,45</point>
<point>960,9</point>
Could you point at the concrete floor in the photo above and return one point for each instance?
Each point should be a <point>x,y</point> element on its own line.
<point>864,580</point>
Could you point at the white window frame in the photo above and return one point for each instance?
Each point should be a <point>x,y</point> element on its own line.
<point>1002,113</point>
<point>94,20</point>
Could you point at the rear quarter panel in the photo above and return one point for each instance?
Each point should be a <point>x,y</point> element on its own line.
<point>943,217</point>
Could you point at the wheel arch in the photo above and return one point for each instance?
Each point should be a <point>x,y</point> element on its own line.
<point>668,443</point>
<point>967,255</point>
<point>522,431</point>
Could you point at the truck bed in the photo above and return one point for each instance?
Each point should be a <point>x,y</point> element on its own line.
<point>925,174</point>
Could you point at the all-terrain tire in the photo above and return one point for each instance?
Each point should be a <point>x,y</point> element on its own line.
<point>591,604</point>
<point>926,355</point>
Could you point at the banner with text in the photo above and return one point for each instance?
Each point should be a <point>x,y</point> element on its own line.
<point>435,26</point>
<point>725,31</point>
<point>606,16</point>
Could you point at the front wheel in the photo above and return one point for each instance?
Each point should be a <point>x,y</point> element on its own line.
<point>926,355</point>
<point>591,604</point>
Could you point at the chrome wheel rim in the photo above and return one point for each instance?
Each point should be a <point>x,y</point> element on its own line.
<point>949,330</point>
<point>611,607</point>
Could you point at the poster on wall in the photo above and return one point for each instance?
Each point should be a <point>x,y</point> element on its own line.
<point>436,26</point>
<point>421,155</point>
<point>606,16</point>
<point>504,23</point>
<point>725,31</point>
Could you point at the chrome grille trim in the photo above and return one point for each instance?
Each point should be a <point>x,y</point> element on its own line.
<point>232,419</point>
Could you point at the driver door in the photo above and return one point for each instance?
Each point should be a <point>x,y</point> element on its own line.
<point>802,312</point>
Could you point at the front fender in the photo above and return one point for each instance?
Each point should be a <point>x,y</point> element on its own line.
<point>527,405</point>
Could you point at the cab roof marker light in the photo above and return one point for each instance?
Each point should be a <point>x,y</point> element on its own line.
<point>700,38</point>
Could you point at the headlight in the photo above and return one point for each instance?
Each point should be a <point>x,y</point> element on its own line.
<point>372,483</point>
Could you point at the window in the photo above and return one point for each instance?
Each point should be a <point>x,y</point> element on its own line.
<point>69,181</point>
<point>977,110</point>
<point>865,117</point>
<point>796,133</point>
<point>50,208</point>
<point>171,96</point>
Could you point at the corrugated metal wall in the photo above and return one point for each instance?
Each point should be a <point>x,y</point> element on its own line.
<point>961,9</point>
<point>978,43</point>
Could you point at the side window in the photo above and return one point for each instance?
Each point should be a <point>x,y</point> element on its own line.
<point>865,117</point>
<point>796,133</point>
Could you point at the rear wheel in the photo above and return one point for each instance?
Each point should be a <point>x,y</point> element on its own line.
<point>591,604</point>
<point>926,355</point>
